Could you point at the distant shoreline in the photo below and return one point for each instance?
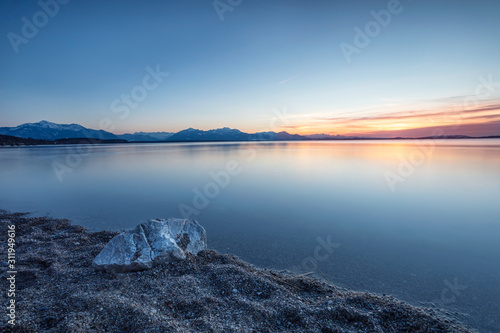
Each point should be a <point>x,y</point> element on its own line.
<point>12,141</point>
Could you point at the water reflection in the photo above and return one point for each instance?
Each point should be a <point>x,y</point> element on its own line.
<point>440,223</point>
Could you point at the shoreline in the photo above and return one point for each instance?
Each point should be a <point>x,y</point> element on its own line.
<point>7,141</point>
<point>58,290</point>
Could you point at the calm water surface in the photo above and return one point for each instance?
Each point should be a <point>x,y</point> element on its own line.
<point>419,220</point>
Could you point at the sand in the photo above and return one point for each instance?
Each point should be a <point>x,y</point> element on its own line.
<point>57,290</point>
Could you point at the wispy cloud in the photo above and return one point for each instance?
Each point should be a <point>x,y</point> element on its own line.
<point>416,120</point>
<point>289,79</point>
<point>407,115</point>
<point>484,129</point>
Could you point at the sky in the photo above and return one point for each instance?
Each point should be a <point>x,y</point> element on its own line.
<point>372,68</point>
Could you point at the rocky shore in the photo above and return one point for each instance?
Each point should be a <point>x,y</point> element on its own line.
<point>58,290</point>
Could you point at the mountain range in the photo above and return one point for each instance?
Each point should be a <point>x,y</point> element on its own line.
<point>45,130</point>
<point>146,136</point>
<point>70,133</point>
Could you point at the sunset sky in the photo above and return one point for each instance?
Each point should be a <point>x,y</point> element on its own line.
<point>373,68</point>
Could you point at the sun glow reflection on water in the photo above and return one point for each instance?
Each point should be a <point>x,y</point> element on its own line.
<point>439,222</point>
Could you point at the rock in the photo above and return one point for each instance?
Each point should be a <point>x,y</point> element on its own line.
<point>149,243</point>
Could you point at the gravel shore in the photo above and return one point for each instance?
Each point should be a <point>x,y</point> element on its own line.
<point>57,290</point>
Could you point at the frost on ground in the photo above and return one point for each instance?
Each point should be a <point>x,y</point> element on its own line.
<point>59,291</point>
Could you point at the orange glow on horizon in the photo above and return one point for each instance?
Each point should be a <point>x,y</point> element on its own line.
<point>478,121</point>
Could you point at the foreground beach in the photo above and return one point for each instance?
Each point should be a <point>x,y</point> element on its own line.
<point>57,290</point>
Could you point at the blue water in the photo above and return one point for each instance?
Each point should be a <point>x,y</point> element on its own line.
<point>416,219</point>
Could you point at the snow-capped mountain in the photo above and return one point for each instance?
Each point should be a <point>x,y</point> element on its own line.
<point>146,136</point>
<point>220,134</point>
<point>157,135</point>
<point>273,136</point>
<point>327,136</point>
<point>45,130</point>
<point>229,134</point>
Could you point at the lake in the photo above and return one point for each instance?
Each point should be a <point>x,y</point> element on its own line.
<point>415,219</point>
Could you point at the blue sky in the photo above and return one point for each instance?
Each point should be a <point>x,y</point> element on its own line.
<point>262,57</point>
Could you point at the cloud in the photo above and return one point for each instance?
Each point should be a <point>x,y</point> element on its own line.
<point>289,79</point>
<point>416,114</point>
<point>417,120</point>
<point>474,130</point>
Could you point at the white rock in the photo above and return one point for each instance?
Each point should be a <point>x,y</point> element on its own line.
<point>150,243</point>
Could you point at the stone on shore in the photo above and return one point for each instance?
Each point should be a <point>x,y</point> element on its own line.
<point>151,242</point>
